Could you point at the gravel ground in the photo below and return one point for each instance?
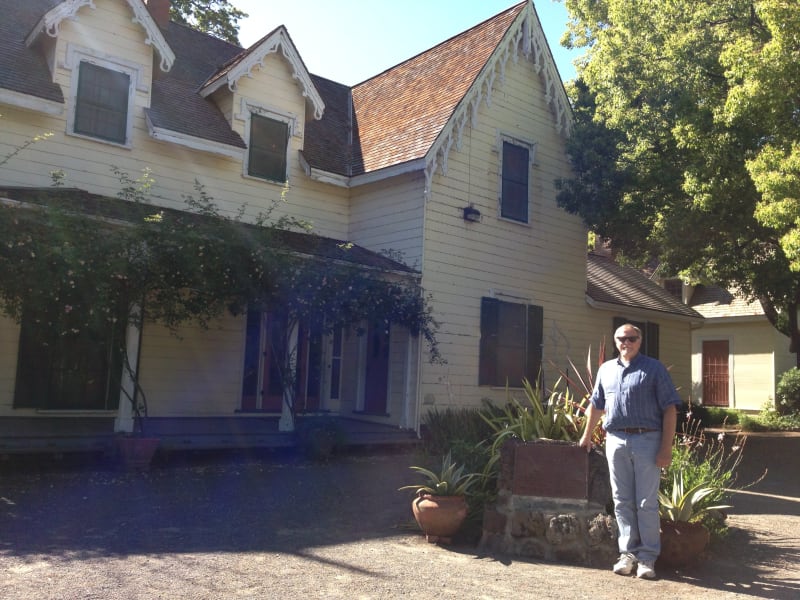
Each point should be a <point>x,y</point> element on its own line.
<point>276,525</point>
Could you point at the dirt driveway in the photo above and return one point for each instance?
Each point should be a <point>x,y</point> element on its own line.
<point>275,525</point>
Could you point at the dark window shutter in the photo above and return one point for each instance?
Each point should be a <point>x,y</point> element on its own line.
<point>535,339</point>
<point>652,340</point>
<point>487,371</point>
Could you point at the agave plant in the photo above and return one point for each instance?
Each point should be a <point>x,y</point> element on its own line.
<point>687,504</point>
<point>449,481</point>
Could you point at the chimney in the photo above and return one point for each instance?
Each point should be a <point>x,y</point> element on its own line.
<point>159,10</point>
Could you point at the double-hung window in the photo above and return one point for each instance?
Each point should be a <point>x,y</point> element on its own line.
<point>101,104</point>
<point>269,144</point>
<point>102,95</point>
<point>511,343</point>
<point>515,185</point>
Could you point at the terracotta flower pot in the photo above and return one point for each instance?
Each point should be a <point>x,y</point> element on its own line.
<point>682,542</point>
<point>135,452</point>
<point>439,517</point>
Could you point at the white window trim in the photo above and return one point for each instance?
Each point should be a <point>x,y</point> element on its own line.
<point>250,108</point>
<point>77,55</point>
<point>531,146</point>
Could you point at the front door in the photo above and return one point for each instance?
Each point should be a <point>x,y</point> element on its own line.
<point>377,369</point>
<point>715,373</point>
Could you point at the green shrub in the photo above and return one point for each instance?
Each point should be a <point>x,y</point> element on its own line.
<point>770,419</point>
<point>718,416</point>
<point>456,430</point>
<point>787,393</point>
<point>700,460</point>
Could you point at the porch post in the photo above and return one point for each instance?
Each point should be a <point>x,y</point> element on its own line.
<point>286,422</point>
<point>411,384</point>
<point>124,420</point>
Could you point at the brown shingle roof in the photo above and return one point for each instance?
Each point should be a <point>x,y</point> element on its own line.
<point>714,302</point>
<point>611,283</point>
<point>389,119</point>
<point>22,69</point>
<point>399,113</point>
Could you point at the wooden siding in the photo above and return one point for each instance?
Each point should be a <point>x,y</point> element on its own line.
<point>195,372</point>
<point>388,216</point>
<point>542,263</point>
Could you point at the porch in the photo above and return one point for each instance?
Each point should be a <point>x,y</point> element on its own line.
<point>59,435</point>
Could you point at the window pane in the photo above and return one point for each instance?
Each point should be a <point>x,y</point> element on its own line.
<point>504,356</point>
<point>268,143</point>
<point>101,108</point>
<point>514,200</point>
<point>81,371</point>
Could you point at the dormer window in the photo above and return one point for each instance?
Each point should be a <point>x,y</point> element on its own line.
<point>269,145</point>
<point>101,106</point>
<point>103,91</point>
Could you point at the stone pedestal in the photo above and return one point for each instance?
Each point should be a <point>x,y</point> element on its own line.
<point>552,504</point>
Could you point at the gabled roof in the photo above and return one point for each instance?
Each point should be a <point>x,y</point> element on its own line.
<point>412,114</point>
<point>245,62</point>
<point>610,285</point>
<point>715,302</point>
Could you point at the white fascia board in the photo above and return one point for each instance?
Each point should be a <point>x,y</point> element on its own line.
<point>50,25</point>
<point>195,143</point>
<point>28,102</point>
<point>255,59</point>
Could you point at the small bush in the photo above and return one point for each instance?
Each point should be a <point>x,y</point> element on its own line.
<point>718,416</point>
<point>787,393</point>
<point>770,419</point>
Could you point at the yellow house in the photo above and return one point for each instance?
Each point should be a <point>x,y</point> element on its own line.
<point>449,158</point>
<point>737,356</point>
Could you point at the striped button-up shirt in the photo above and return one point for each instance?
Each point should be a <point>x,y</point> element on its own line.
<point>634,395</point>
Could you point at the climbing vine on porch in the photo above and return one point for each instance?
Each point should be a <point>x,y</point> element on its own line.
<point>75,262</point>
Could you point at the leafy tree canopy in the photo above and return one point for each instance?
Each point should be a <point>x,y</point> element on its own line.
<point>215,17</point>
<point>687,140</point>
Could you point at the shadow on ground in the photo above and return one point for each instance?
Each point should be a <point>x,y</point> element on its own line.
<point>347,515</point>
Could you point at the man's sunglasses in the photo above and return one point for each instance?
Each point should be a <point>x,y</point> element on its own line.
<point>628,338</point>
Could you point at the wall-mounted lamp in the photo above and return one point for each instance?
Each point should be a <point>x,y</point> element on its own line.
<point>472,214</point>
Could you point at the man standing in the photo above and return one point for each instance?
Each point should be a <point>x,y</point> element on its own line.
<point>640,403</point>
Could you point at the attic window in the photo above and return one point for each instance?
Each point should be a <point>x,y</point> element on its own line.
<point>269,144</point>
<point>515,167</point>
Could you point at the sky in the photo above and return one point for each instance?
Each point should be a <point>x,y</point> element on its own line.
<point>349,41</point>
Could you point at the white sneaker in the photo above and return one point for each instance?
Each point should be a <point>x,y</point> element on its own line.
<point>645,570</point>
<point>625,564</point>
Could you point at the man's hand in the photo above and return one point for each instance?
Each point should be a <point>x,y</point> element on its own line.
<point>664,457</point>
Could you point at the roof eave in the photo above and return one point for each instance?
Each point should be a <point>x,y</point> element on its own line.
<point>638,311</point>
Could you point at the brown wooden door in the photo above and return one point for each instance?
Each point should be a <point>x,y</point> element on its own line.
<point>715,372</point>
<point>377,369</point>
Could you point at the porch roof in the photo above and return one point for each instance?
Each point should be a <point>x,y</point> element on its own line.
<point>123,210</point>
